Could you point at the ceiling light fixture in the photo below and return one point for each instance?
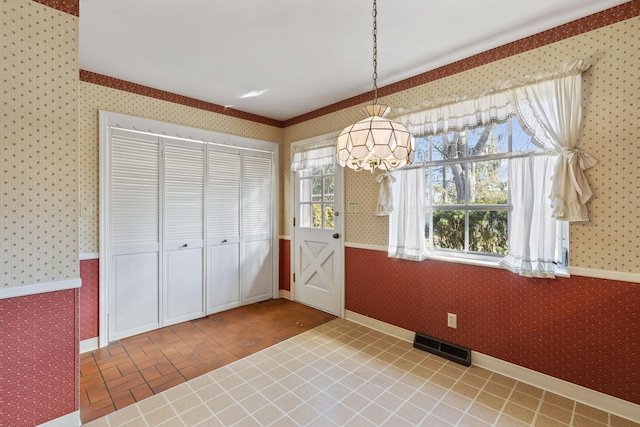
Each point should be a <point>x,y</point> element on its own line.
<point>375,142</point>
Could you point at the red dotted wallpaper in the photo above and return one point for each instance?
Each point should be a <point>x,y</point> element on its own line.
<point>285,265</point>
<point>89,298</point>
<point>72,7</point>
<point>582,330</point>
<point>38,357</point>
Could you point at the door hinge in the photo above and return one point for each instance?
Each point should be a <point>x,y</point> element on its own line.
<point>294,277</point>
<point>294,221</point>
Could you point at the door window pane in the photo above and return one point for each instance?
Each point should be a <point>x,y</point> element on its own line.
<point>328,217</point>
<point>316,197</point>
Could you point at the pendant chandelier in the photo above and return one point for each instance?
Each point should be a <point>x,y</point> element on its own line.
<point>375,142</point>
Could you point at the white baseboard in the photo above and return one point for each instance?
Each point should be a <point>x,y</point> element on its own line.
<point>596,399</point>
<point>284,294</point>
<point>69,420</point>
<point>89,345</point>
<point>94,255</point>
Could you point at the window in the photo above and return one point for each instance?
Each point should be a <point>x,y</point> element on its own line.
<point>317,198</point>
<point>467,195</point>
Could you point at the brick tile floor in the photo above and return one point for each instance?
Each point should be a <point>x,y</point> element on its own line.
<point>138,367</point>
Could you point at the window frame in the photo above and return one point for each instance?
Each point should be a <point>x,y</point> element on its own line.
<point>481,258</point>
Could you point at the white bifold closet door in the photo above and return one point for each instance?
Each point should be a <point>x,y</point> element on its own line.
<point>134,237</point>
<point>156,233</point>
<point>240,257</point>
<point>223,216</point>
<point>183,201</point>
<point>189,229</point>
<point>256,223</point>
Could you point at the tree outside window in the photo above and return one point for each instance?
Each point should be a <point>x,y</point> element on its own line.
<point>467,193</point>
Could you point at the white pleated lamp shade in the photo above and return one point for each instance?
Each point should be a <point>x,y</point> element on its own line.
<point>375,142</point>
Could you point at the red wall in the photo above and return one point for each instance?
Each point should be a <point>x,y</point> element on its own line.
<point>89,298</point>
<point>38,358</point>
<point>285,265</point>
<point>582,330</point>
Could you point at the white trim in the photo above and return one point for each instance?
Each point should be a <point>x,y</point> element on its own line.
<point>94,255</point>
<point>175,131</point>
<point>69,420</point>
<point>39,288</point>
<point>284,294</point>
<point>596,399</point>
<point>89,345</point>
<point>365,246</point>
<point>284,237</point>
<point>380,326</point>
<point>605,274</point>
<point>573,271</point>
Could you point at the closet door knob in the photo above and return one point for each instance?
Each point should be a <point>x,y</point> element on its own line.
<point>336,236</point>
<point>224,241</point>
<point>185,245</point>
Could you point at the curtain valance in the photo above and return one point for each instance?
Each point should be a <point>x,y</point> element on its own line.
<point>495,104</point>
<point>314,155</point>
<point>548,107</point>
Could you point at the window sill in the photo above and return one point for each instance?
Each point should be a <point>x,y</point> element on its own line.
<point>560,271</point>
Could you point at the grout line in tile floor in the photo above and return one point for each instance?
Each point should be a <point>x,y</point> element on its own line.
<point>135,368</point>
<point>341,373</point>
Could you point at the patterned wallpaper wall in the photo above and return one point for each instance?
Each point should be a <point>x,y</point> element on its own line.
<point>94,97</point>
<point>611,240</point>
<point>39,182</point>
<point>39,176</point>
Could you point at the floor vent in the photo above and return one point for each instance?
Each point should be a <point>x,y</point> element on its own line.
<point>453,352</point>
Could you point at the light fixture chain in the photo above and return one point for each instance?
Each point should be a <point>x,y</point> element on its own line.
<point>375,53</point>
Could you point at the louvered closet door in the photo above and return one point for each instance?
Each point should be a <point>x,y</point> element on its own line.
<point>256,220</point>
<point>184,176</point>
<point>133,234</point>
<point>223,252</point>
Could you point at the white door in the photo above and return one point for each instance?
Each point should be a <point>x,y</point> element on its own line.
<point>223,225</point>
<point>318,243</point>
<point>133,240</point>
<point>256,227</point>
<point>183,201</point>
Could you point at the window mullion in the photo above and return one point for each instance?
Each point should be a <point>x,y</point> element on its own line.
<point>467,192</point>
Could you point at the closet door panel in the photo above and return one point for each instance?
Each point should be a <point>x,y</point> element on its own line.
<point>256,219</point>
<point>223,216</point>
<point>133,234</point>
<point>223,282</point>
<point>184,175</point>
<point>134,294</point>
<point>257,271</point>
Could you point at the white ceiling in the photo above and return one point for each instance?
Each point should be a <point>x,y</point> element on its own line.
<point>305,54</point>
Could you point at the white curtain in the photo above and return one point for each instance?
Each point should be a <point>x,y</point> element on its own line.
<point>385,195</point>
<point>407,220</point>
<point>532,229</point>
<point>548,107</point>
<point>314,155</point>
<point>551,112</point>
